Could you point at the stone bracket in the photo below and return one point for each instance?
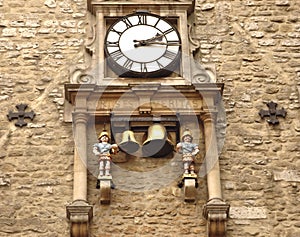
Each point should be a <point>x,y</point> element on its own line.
<point>189,183</point>
<point>105,189</point>
<point>216,213</point>
<point>190,190</point>
<point>80,213</point>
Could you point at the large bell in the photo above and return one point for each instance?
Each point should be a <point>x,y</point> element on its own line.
<point>157,143</point>
<point>128,143</point>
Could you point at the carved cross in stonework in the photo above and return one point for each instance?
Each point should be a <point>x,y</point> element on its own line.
<point>20,115</point>
<point>273,113</point>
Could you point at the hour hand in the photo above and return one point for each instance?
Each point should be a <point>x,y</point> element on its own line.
<point>139,43</point>
<point>157,37</point>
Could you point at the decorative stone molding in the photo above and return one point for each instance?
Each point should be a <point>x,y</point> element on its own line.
<point>80,75</point>
<point>194,45</point>
<point>216,212</point>
<point>91,37</point>
<point>80,214</point>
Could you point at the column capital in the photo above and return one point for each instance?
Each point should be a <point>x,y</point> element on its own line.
<point>208,116</point>
<point>79,117</point>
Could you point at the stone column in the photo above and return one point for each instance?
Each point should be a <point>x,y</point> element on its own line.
<point>216,210</point>
<point>212,157</point>
<point>79,212</point>
<point>80,157</point>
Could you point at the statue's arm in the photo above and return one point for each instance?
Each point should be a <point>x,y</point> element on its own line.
<point>96,150</point>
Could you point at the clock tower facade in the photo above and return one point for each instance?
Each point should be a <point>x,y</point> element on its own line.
<point>141,85</point>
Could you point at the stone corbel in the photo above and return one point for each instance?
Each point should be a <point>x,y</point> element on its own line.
<point>216,212</point>
<point>80,214</point>
<point>105,184</point>
<point>190,187</point>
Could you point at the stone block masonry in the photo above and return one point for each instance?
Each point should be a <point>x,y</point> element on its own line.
<point>254,46</point>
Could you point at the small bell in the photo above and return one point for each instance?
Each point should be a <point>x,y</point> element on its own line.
<point>128,143</point>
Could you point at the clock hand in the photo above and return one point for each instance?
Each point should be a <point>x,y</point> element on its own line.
<point>157,36</point>
<point>163,43</point>
<point>143,43</point>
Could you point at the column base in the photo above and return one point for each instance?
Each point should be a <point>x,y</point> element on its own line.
<point>216,212</point>
<point>80,214</point>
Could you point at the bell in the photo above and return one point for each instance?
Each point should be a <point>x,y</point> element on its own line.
<point>128,143</point>
<point>157,143</point>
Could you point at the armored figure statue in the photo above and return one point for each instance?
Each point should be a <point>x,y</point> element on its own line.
<point>103,150</point>
<point>188,151</point>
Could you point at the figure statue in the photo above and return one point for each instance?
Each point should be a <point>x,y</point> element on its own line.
<point>188,151</point>
<point>103,150</point>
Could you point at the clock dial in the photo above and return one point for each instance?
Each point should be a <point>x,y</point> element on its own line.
<point>143,45</point>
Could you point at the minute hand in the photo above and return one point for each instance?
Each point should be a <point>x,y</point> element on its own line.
<point>163,43</point>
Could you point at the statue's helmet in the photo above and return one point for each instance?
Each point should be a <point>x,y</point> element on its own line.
<point>102,134</point>
<point>187,132</point>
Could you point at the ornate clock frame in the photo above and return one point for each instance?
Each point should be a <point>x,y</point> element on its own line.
<point>92,80</point>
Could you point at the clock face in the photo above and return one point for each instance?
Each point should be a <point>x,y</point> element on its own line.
<point>143,45</point>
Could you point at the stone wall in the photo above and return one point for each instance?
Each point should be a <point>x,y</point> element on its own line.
<point>255,46</point>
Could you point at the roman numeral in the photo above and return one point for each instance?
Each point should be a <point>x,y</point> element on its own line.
<point>175,42</point>
<point>128,64</point>
<point>118,32</point>
<point>127,22</point>
<point>160,65</point>
<point>156,22</point>
<point>168,31</point>
<point>170,55</point>
<point>112,44</point>
<point>116,55</point>
<point>144,67</point>
<point>142,20</point>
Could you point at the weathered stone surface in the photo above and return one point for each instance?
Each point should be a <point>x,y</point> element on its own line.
<point>248,213</point>
<point>255,48</point>
<point>287,175</point>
